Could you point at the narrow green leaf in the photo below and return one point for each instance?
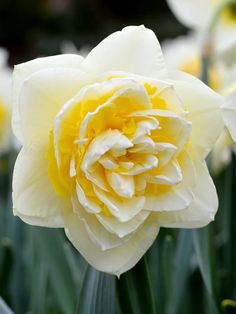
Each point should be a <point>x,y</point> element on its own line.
<point>50,243</point>
<point>6,266</point>
<point>137,284</point>
<point>180,272</point>
<point>167,264</point>
<point>230,213</point>
<point>98,293</point>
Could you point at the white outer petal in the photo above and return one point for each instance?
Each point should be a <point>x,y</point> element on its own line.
<point>179,196</point>
<point>41,97</point>
<point>203,208</point>
<point>203,105</point>
<point>135,49</point>
<point>24,70</point>
<point>34,199</point>
<point>99,235</point>
<point>229,114</point>
<point>120,259</point>
<point>192,13</point>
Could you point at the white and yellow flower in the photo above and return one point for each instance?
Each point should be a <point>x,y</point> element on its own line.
<point>113,147</point>
<point>197,15</point>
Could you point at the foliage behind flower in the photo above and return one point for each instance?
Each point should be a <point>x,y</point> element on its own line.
<point>113,147</point>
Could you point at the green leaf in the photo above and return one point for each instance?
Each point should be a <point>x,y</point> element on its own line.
<point>230,227</point>
<point>134,290</point>
<point>49,244</point>
<point>98,293</point>
<point>180,271</point>
<point>167,264</point>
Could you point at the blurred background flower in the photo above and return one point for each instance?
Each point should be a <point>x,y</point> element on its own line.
<point>198,15</point>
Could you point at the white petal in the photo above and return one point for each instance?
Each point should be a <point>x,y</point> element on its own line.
<point>42,96</point>
<point>108,162</point>
<point>203,208</point>
<point>229,114</point>
<point>87,203</point>
<point>170,174</point>
<point>108,140</point>
<point>145,127</point>
<point>24,70</point>
<point>203,105</point>
<point>120,259</point>
<point>122,209</point>
<point>148,163</point>
<point>143,144</point>
<point>122,229</point>
<point>192,13</point>
<point>34,199</point>
<point>99,235</point>
<point>165,151</point>
<point>135,49</point>
<point>122,185</point>
<point>178,196</point>
<point>221,154</point>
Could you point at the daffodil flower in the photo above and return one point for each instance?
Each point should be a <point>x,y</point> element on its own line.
<point>114,147</point>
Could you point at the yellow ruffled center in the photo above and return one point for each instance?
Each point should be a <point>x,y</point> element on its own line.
<point>117,143</point>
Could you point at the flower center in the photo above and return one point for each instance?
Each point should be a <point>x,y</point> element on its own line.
<point>115,142</point>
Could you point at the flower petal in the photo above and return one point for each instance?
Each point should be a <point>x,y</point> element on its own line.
<point>192,13</point>
<point>42,96</point>
<point>24,70</point>
<point>122,229</point>
<point>176,197</point>
<point>34,199</point>
<point>117,260</point>
<point>229,114</point>
<point>203,105</point>
<point>135,49</point>
<point>203,208</point>
<point>122,209</point>
<point>99,235</point>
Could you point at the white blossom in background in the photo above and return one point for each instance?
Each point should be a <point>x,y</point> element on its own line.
<point>197,14</point>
